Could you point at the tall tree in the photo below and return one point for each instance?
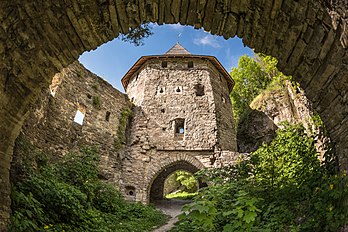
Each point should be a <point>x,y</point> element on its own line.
<point>251,77</point>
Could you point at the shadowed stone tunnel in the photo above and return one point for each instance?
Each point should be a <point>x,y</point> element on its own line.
<point>157,186</point>
<point>39,38</point>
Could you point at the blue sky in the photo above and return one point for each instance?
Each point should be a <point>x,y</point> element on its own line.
<point>113,59</point>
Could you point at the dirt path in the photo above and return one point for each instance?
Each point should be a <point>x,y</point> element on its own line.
<point>172,208</point>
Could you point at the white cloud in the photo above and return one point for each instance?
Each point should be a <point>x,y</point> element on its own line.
<point>207,40</point>
<point>177,26</point>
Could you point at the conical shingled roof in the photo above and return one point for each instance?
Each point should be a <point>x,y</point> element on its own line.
<point>177,49</point>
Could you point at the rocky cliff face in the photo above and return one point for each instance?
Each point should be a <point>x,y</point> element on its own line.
<point>269,110</point>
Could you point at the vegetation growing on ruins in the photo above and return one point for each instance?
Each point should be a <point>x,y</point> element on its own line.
<point>67,195</point>
<point>96,101</point>
<point>252,76</point>
<point>280,187</point>
<point>120,140</point>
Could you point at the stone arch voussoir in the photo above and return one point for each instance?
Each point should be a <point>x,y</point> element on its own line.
<point>180,162</point>
<point>39,39</point>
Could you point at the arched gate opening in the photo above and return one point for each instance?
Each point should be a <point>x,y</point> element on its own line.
<point>156,188</point>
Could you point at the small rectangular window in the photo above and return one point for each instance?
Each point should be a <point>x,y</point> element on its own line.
<point>190,64</point>
<point>199,90</point>
<point>179,128</point>
<point>164,64</point>
<point>79,117</point>
<point>80,114</point>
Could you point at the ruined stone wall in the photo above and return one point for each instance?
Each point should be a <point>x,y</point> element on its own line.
<point>51,127</point>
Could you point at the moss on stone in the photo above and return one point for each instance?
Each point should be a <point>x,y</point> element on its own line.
<point>120,140</point>
<point>96,102</point>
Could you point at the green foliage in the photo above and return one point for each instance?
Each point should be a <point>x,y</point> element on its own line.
<point>96,102</point>
<point>120,140</point>
<point>280,187</point>
<point>137,35</point>
<point>67,195</point>
<point>181,185</point>
<point>187,180</point>
<point>251,77</point>
<point>288,160</point>
<point>201,214</point>
<point>95,86</point>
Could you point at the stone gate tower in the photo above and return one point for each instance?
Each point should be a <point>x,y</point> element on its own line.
<point>182,119</point>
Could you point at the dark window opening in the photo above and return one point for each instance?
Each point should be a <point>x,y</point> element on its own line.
<point>212,160</point>
<point>190,64</point>
<point>164,64</point>
<point>178,90</point>
<point>179,126</point>
<point>199,90</point>
<point>137,77</point>
<point>132,99</point>
<point>89,96</point>
<point>130,191</point>
<point>161,90</point>
<point>163,110</point>
<point>107,116</point>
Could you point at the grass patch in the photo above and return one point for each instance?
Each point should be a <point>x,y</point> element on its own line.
<point>181,195</point>
<point>96,102</point>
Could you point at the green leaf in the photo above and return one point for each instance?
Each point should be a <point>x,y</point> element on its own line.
<point>249,216</point>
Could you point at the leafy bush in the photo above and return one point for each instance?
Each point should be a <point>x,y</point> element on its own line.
<point>68,196</point>
<point>280,187</point>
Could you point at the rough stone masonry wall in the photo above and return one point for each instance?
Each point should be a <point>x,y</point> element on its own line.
<point>51,127</point>
<point>226,133</point>
<point>39,38</point>
<point>169,94</point>
<point>162,108</point>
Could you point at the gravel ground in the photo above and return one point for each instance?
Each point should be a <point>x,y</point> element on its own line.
<point>172,208</point>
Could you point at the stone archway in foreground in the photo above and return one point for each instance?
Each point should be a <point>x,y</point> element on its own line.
<point>39,38</point>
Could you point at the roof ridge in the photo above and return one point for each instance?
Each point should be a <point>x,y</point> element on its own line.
<point>177,49</point>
